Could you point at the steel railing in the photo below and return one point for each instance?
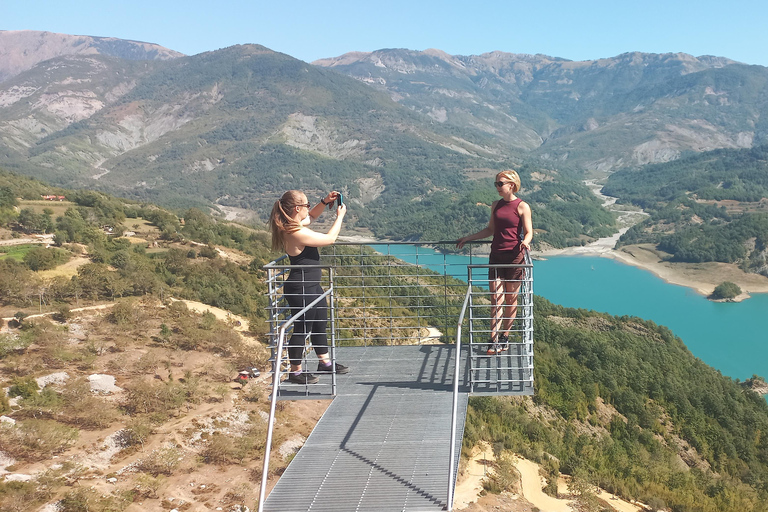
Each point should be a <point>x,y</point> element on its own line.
<point>276,372</point>
<point>396,293</point>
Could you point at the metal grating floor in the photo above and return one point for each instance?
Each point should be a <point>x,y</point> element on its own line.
<point>383,444</point>
<point>510,373</point>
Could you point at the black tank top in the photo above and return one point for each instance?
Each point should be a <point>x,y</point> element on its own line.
<point>309,256</point>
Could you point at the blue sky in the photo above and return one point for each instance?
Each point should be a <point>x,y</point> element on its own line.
<point>308,30</point>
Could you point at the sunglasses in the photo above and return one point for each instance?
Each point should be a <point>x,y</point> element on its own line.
<point>501,183</point>
<point>307,205</point>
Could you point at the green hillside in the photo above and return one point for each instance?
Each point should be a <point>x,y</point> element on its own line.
<point>635,413</point>
<point>705,207</point>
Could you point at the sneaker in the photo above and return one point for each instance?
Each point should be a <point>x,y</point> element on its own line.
<point>499,346</point>
<point>303,378</point>
<point>340,368</point>
<point>487,348</point>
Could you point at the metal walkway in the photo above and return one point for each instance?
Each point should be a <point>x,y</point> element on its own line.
<point>391,439</point>
<point>382,444</point>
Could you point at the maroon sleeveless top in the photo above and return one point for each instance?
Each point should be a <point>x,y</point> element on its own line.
<point>507,226</point>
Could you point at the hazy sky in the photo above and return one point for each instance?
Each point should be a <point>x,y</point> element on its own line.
<point>309,30</point>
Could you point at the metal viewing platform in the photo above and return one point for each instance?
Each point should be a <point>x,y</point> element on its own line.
<point>414,326</point>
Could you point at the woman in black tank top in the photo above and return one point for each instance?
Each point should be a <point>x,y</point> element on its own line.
<point>288,222</point>
<point>512,231</point>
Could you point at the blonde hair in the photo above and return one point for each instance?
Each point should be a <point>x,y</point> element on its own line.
<point>512,176</point>
<point>280,222</point>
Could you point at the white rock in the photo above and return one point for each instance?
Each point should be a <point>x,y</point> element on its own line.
<point>54,378</point>
<point>103,384</point>
<point>17,477</point>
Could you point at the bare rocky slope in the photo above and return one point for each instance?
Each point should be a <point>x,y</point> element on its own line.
<point>21,50</point>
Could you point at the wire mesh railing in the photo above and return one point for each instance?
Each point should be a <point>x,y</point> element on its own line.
<point>406,293</point>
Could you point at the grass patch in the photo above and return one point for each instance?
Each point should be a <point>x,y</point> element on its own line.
<point>16,252</point>
<point>58,207</point>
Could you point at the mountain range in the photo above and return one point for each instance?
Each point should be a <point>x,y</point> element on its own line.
<point>391,128</point>
<point>599,115</point>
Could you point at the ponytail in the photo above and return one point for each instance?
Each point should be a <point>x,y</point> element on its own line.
<point>280,222</point>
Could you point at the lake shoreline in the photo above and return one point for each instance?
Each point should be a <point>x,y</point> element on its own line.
<point>700,277</point>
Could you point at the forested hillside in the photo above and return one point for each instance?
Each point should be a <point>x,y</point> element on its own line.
<point>635,413</point>
<point>707,207</point>
<point>90,223</point>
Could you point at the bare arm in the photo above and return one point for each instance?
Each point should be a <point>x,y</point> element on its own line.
<point>318,209</point>
<point>483,233</point>
<point>295,242</point>
<point>525,214</point>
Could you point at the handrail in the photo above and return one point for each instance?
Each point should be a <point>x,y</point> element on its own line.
<point>352,286</point>
<point>275,386</point>
<point>455,410</point>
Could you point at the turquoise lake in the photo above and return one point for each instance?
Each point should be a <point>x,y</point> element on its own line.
<point>729,336</point>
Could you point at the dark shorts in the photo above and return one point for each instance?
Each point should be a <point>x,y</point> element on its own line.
<point>506,257</point>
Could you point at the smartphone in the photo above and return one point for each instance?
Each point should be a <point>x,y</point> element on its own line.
<point>339,200</point>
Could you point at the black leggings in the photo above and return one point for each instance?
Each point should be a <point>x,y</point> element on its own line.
<point>314,321</point>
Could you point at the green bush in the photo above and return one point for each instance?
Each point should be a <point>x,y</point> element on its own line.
<point>43,258</point>
<point>24,387</point>
<point>726,290</point>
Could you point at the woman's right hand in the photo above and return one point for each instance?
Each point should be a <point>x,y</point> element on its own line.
<point>341,211</point>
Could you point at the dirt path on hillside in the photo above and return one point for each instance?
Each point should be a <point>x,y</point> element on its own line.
<point>532,484</point>
<point>237,322</point>
<point>469,485</point>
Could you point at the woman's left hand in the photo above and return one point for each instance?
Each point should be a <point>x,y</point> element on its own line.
<point>331,197</point>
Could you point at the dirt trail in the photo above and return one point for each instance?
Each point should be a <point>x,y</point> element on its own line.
<point>532,485</point>
<point>470,485</point>
<point>238,323</point>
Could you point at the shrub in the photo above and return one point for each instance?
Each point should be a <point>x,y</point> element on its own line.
<point>220,449</point>
<point>726,290</point>
<point>34,440</point>
<point>24,387</point>
<point>63,314</point>
<point>41,258</point>
<point>160,462</point>
<point>149,398</point>
<point>135,433</point>
<point>505,476</point>
<point>125,313</point>
<point>208,252</point>
<point>85,410</point>
<point>147,486</point>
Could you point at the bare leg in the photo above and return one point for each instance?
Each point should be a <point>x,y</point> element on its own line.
<point>497,299</point>
<point>511,292</point>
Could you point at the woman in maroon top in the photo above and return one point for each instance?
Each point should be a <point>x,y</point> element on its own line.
<point>512,231</point>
